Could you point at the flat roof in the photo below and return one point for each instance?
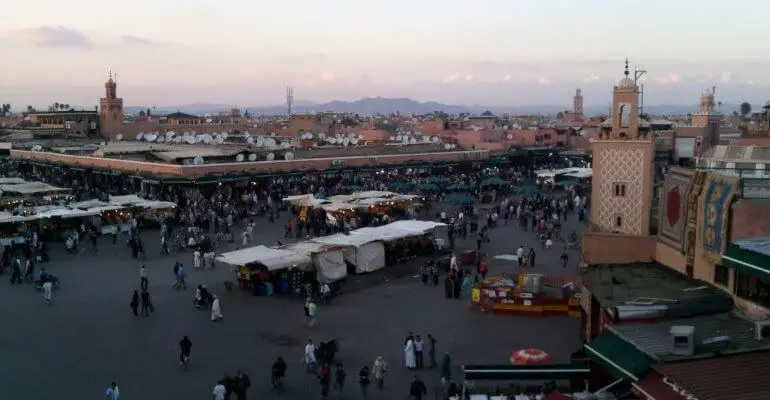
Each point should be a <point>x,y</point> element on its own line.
<point>654,338</point>
<point>617,284</point>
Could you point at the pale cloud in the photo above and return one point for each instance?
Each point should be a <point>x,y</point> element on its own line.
<point>727,76</point>
<point>750,83</point>
<point>327,76</point>
<point>507,78</point>
<point>51,36</point>
<point>451,78</point>
<point>469,77</point>
<point>591,79</point>
<point>130,39</point>
<point>669,79</point>
<point>544,81</point>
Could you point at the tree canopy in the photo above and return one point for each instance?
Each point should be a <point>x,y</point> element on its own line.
<point>745,108</point>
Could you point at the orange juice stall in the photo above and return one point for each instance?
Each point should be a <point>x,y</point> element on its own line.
<point>527,294</point>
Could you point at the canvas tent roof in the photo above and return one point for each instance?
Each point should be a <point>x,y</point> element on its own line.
<point>273,259</point>
<point>11,181</point>
<point>306,247</point>
<point>31,188</point>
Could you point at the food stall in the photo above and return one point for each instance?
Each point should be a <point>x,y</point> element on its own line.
<point>58,221</point>
<point>31,190</point>
<point>328,261</point>
<point>147,212</point>
<point>264,268</point>
<point>13,228</point>
<point>527,294</point>
<point>110,219</point>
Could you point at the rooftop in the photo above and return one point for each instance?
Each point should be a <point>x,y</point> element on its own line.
<point>738,153</point>
<point>731,377</point>
<point>655,338</point>
<point>632,284</point>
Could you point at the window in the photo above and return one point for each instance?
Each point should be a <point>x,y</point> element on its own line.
<point>753,289</point>
<point>722,275</point>
<point>547,136</point>
<point>618,221</point>
<point>619,189</point>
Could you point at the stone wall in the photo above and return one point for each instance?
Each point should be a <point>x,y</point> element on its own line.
<point>614,248</point>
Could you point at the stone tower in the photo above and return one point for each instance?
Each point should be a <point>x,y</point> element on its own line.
<point>577,106</point>
<point>110,110</point>
<point>623,176</point>
<point>708,117</point>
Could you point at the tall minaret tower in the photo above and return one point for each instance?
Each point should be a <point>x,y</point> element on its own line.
<point>708,117</point>
<point>623,159</point>
<point>111,109</point>
<point>577,106</point>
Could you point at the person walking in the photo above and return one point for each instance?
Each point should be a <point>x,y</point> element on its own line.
<point>446,369</point>
<point>48,292</point>
<point>134,304</point>
<point>310,360</point>
<point>417,389</point>
<point>145,303</point>
<point>112,392</point>
<point>339,379</point>
<point>364,381</point>
<point>419,346</point>
<point>432,350</point>
<point>143,281</point>
<point>311,312</point>
<point>216,311</point>
<point>242,384</point>
<point>380,368</point>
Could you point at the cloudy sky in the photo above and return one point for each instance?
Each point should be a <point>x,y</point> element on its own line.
<point>490,52</point>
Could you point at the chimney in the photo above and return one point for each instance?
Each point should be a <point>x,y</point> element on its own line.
<point>683,340</point>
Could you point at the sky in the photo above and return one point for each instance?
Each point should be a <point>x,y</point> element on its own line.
<point>489,52</point>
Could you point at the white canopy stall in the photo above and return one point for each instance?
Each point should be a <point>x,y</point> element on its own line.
<point>329,261</point>
<point>272,259</point>
<point>365,251</point>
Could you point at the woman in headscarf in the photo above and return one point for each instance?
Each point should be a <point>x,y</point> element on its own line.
<point>378,370</point>
<point>134,304</point>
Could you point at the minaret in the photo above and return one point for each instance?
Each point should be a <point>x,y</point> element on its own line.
<point>623,159</point>
<point>708,117</point>
<point>577,106</point>
<point>110,110</point>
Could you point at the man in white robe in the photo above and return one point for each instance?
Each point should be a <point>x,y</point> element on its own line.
<point>216,312</point>
<point>409,355</point>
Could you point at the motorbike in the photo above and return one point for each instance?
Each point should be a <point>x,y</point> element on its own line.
<point>54,281</point>
<point>203,304</point>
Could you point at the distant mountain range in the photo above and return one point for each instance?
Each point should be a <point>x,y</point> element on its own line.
<point>369,106</point>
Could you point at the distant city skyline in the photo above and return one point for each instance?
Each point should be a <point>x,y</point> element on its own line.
<point>497,53</point>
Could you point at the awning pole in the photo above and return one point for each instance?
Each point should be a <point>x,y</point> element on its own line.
<point>608,387</point>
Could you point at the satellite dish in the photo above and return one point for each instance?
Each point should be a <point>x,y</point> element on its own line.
<point>426,139</point>
<point>354,141</point>
<point>37,147</point>
<point>273,134</point>
<point>170,134</point>
<point>405,140</point>
<point>509,136</point>
<point>102,144</point>
<point>186,133</point>
<point>285,145</point>
<point>160,139</point>
<point>435,139</point>
<point>119,137</point>
<point>224,135</point>
<point>270,143</point>
<point>252,157</point>
<point>207,139</point>
<point>246,134</point>
<point>199,139</point>
<point>345,141</point>
<point>260,141</point>
<point>413,141</point>
<point>150,137</point>
<point>288,156</point>
<point>452,146</point>
<point>270,157</point>
<point>139,135</point>
<point>321,135</point>
<point>178,139</point>
<point>360,136</point>
<point>239,158</point>
<point>198,160</point>
<point>399,138</point>
<point>189,139</point>
<point>220,140</point>
<point>392,138</point>
<point>250,140</point>
<point>447,146</point>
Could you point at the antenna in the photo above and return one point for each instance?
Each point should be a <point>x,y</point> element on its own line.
<point>641,100</point>
<point>290,100</point>
<point>638,73</point>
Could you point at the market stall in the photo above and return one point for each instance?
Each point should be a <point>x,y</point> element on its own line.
<point>527,294</point>
<point>329,261</point>
<point>364,251</point>
<point>111,218</point>
<point>263,269</point>
<point>146,211</point>
<point>31,190</point>
<point>58,221</point>
<point>13,228</point>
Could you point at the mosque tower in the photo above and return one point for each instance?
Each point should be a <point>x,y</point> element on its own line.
<point>623,158</point>
<point>110,110</point>
<point>577,106</point>
<point>708,117</point>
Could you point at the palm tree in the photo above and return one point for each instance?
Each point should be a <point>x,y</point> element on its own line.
<point>745,108</point>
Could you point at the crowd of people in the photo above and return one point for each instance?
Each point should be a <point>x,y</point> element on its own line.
<point>232,210</point>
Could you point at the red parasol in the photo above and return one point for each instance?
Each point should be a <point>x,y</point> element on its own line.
<point>530,357</point>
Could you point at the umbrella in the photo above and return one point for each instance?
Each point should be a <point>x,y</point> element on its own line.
<point>530,357</point>
<point>459,198</point>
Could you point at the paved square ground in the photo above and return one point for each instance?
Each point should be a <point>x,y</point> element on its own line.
<point>89,338</point>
